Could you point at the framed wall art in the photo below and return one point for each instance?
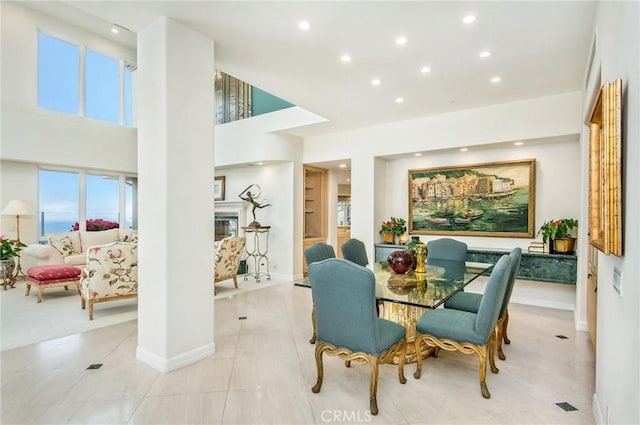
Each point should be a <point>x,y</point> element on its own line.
<point>605,170</point>
<point>493,199</point>
<point>218,188</point>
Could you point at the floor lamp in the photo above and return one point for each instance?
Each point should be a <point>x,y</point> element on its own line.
<point>17,208</point>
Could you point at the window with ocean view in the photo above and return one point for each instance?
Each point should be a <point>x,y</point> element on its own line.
<point>103,197</point>
<point>59,199</point>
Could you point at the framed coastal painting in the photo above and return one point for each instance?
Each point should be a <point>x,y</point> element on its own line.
<point>218,188</point>
<point>493,199</point>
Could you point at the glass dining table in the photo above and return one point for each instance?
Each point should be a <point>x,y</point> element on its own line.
<point>404,298</point>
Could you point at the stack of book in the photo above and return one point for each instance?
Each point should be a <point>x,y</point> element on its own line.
<point>537,246</point>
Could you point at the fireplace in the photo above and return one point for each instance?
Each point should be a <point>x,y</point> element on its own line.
<point>229,218</point>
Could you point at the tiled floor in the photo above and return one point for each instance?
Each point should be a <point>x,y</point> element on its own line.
<point>264,368</point>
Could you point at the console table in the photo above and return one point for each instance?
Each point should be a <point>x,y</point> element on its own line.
<point>554,268</point>
<point>254,252</point>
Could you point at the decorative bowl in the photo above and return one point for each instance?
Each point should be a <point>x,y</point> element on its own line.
<point>400,261</point>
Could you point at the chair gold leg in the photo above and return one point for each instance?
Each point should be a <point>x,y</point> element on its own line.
<point>482,353</point>
<point>40,293</point>
<point>313,324</point>
<point>403,357</point>
<point>505,323</point>
<point>90,309</point>
<point>373,385</point>
<point>499,337</point>
<point>418,351</point>
<point>491,348</point>
<point>318,385</point>
<point>27,289</point>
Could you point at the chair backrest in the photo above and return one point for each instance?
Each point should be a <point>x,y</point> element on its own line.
<point>112,269</point>
<point>355,251</point>
<point>319,251</point>
<point>492,299</point>
<point>514,259</point>
<point>446,249</point>
<point>228,256</point>
<point>344,300</point>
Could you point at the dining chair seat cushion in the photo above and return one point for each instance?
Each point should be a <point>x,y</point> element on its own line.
<point>465,301</point>
<point>451,324</point>
<point>390,334</point>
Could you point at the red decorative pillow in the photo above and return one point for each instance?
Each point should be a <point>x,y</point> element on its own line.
<point>54,271</point>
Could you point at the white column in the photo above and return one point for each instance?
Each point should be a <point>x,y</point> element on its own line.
<point>367,186</point>
<point>175,179</point>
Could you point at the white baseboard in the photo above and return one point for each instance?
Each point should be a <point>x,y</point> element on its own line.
<point>582,326</point>
<point>543,303</point>
<point>164,365</point>
<point>597,411</point>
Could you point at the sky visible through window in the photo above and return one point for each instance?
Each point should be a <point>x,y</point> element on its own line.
<point>59,90</point>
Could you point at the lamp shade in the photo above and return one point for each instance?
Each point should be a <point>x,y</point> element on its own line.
<point>17,207</point>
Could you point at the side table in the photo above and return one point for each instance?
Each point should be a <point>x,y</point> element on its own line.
<point>255,253</point>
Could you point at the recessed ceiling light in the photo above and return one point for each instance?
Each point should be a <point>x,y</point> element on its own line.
<point>399,99</point>
<point>496,79</point>
<point>343,165</point>
<point>345,58</point>
<point>348,180</point>
<point>401,41</point>
<point>484,54</point>
<point>114,30</point>
<point>519,143</point>
<point>468,19</point>
<point>375,82</point>
<point>425,69</point>
<point>464,149</point>
<point>417,154</point>
<point>304,25</point>
<point>260,163</point>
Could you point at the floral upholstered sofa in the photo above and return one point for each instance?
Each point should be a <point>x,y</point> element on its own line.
<point>71,247</point>
<point>111,274</point>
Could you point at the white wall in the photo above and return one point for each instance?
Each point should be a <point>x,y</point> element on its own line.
<point>617,397</point>
<point>277,181</point>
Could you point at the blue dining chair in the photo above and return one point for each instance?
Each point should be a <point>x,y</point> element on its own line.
<point>355,251</point>
<point>317,252</point>
<point>457,330</point>
<point>470,302</point>
<point>344,299</point>
<point>446,249</point>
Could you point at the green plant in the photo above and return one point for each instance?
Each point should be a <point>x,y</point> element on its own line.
<point>395,226</point>
<point>557,229</point>
<point>9,248</point>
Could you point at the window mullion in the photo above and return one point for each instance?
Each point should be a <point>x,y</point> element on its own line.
<point>82,210</point>
<point>82,82</point>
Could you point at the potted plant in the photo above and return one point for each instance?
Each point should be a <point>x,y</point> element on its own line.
<point>392,228</point>
<point>558,234</point>
<point>8,250</point>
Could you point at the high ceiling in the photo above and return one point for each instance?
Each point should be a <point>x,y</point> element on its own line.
<point>538,48</point>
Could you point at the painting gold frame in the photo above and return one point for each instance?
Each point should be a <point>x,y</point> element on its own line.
<point>605,170</point>
<point>218,188</point>
<point>494,199</point>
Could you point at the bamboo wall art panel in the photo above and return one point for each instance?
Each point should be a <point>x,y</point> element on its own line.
<point>605,170</point>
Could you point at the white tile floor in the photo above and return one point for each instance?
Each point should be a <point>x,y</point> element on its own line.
<point>264,368</point>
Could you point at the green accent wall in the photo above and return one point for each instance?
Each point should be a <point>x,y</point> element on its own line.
<point>263,102</point>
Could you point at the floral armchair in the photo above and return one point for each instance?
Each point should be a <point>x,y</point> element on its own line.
<point>111,274</point>
<point>227,259</point>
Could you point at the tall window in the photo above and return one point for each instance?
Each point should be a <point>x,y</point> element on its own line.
<point>58,200</point>
<point>58,74</point>
<point>102,87</point>
<point>103,198</point>
<point>107,91</point>
<point>63,204</point>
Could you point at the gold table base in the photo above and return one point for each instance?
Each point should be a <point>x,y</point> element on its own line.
<point>407,316</point>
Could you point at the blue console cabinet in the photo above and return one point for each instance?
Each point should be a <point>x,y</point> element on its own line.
<point>554,268</point>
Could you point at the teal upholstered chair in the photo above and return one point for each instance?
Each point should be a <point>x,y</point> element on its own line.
<point>345,303</point>
<point>467,332</point>
<point>317,252</point>
<point>355,251</point>
<point>446,249</point>
<point>467,301</point>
